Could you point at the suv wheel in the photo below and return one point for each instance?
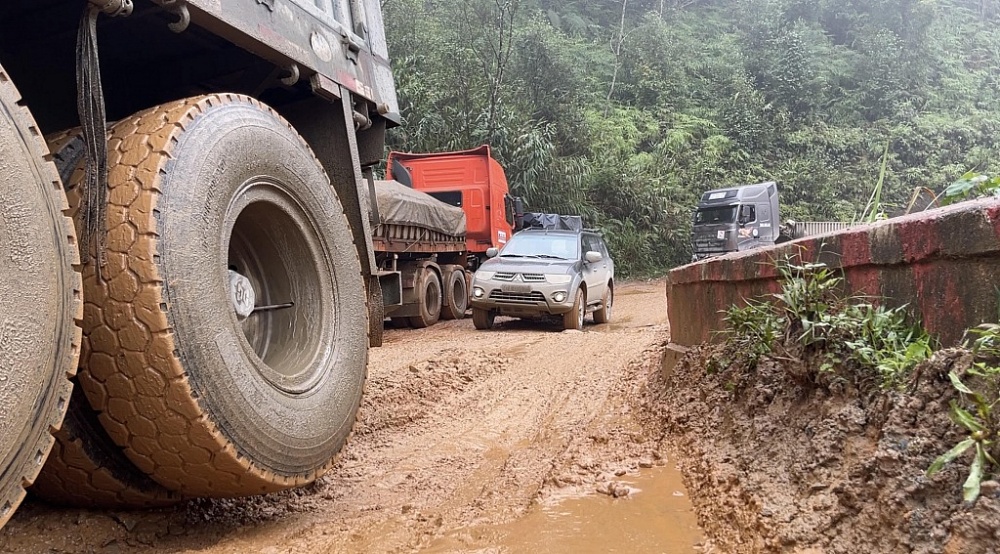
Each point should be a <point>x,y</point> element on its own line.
<point>603,315</point>
<point>573,319</point>
<point>483,319</point>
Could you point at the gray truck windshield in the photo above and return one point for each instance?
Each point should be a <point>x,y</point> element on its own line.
<point>722,214</point>
<point>562,246</point>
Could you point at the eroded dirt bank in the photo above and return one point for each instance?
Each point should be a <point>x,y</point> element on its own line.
<point>776,466</point>
<point>460,429</point>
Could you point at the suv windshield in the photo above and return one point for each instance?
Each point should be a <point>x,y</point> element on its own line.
<point>723,214</point>
<point>561,246</point>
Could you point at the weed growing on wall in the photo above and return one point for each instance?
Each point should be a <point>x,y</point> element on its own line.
<point>836,337</point>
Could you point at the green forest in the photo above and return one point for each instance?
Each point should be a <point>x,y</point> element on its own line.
<point>625,111</point>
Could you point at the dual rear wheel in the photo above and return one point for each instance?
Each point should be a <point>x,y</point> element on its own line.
<point>225,331</point>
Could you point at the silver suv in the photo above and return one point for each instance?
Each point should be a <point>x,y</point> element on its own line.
<point>545,272</point>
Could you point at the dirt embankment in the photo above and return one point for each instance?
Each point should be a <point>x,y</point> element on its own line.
<point>775,466</point>
<point>459,429</point>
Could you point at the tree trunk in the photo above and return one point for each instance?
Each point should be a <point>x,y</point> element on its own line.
<point>617,48</point>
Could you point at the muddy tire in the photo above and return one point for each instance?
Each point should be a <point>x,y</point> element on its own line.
<point>429,293</point>
<point>205,401</point>
<point>86,468</point>
<point>68,152</point>
<point>456,292</point>
<point>40,300</point>
<point>603,315</point>
<point>483,319</point>
<point>573,319</point>
<point>376,313</point>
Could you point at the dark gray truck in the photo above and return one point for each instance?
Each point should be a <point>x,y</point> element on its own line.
<point>734,219</point>
<point>206,259</point>
<point>746,217</point>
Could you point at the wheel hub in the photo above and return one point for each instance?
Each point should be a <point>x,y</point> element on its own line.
<point>242,295</point>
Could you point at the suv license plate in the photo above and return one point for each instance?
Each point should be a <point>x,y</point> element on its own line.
<point>515,288</point>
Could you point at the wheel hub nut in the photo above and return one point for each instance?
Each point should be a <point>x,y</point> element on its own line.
<point>242,294</point>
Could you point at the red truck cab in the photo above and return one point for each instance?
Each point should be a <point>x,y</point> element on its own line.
<point>469,179</point>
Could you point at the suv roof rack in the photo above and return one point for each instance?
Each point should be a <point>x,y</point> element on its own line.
<point>551,222</point>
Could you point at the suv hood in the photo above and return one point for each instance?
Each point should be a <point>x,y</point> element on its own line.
<point>528,265</point>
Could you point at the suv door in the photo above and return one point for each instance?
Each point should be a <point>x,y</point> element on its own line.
<point>609,274</point>
<point>595,274</point>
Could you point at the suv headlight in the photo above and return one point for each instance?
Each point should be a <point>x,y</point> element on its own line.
<point>559,279</point>
<point>484,275</point>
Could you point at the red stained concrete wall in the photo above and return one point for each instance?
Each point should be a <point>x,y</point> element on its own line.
<point>944,264</point>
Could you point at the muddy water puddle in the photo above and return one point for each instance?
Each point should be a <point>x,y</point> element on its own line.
<point>656,519</point>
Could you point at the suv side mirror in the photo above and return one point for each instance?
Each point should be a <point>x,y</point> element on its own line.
<point>593,257</point>
<point>492,252</point>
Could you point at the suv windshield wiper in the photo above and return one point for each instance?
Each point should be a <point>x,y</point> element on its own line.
<point>511,256</point>
<point>550,257</point>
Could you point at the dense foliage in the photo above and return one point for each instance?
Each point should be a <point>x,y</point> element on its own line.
<point>624,111</point>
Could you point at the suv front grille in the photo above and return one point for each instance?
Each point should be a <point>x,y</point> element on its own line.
<point>517,297</point>
<point>504,276</point>
<point>533,277</point>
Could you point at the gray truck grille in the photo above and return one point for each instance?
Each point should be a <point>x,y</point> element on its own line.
<point>517,297</point>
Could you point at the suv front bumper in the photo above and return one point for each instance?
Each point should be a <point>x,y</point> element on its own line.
<point>520,299</point>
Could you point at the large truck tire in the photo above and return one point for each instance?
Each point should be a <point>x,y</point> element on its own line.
<point>217,206</point>
<point>85,468</point>
<point>40,300</point>
<point>429,299</point>
<point>456,293</point>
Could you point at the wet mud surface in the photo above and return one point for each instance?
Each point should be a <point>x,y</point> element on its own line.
<point>468,441</point>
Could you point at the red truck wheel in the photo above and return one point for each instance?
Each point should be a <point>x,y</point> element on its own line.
<point>456,292</point>
<point>429,294</point>
<point>40,300</point>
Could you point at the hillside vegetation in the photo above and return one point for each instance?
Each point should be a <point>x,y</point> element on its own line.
<point>624,111</point>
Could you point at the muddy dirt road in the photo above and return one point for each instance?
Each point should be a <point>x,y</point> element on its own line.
<point>468,442</point>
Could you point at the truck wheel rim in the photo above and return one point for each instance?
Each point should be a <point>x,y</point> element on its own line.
<point>274,247</point>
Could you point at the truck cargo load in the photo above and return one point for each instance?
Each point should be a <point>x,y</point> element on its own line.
<point>401,205</point>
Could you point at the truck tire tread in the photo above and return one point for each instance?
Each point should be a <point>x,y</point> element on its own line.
<point>150,409</point>
<point>53,407</point>
<point>85,468</point>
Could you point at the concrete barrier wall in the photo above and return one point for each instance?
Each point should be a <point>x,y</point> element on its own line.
<point>944,264</point>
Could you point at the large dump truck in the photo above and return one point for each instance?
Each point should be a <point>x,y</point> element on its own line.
<point>440,213</point>
<point>211,290</point>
